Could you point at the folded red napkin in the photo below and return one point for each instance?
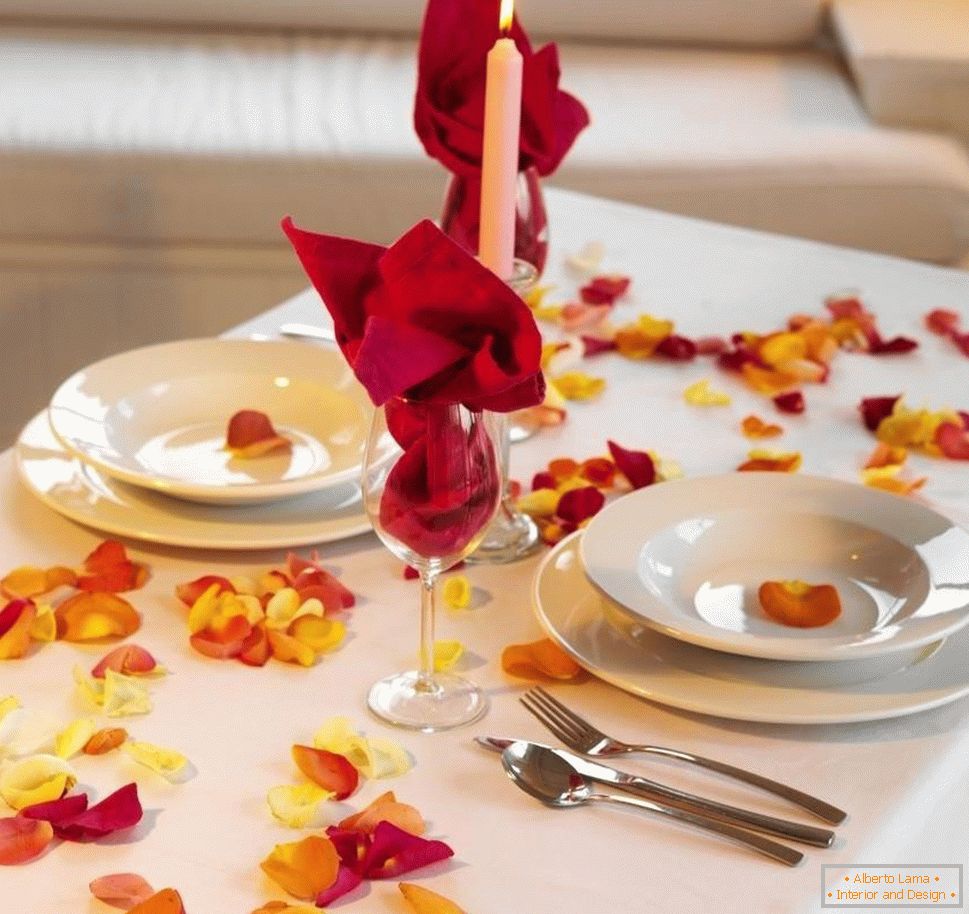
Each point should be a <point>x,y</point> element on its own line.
<point>424,320</point>
<point>449,106</point>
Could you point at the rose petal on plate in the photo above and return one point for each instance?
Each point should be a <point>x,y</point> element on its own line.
<point>121,890</point>
<point>74,737</point>
<point>92,616</point>
<point>290,650</point>
<point>251,431</point>
<point>129,659</point>
<point>942,321</point>
<point>394,851</point>
<point>16,620</point>
<point>771,461</point>
<point>875,409</point>
<point>303,868</point>
<point>799,604</point>
<point>446,655</point>
<point>105,740</point>
<point>637,466</point>
<point>171,765</point>
<point>755,427</point>
<point>700,393</point>
<point>23,839</point>
<point>578,505</point>
<point>953,441</point>
<point>538,660</point>
<point>424,901</point>
<point>298,805</point>
<point>167,901</point>
<point>386,808</point>
<point>35,779</point>
<point>189,592</point>
<point>577,385</point>
<point>119,811</point>
<point>457,591</point>
<point>792,402</point>
<point>330,770</point>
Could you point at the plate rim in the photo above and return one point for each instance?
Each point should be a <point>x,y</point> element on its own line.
<point>764,649</point>
<point>891,711</point>
<point>251,493</point>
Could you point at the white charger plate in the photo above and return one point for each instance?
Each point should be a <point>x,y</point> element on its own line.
<point>605,641</point>
<point>157,417</point>
<point>81,493</point>
<point>687,557</point>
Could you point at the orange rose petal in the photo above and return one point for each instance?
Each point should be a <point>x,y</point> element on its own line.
<point>330,770</point>
<point>289,649</point>
<point>29,581</point>
<point>121,890</point>
<point>386,808</point>
<point>539,659</point>
<point>16,620</point>
<point>886,455</point>
<point>256,649</point>
<point>251,434</point>
<point>128,659</point>
<point>92,616</point>
<point>110,570</point>
<point>799,604</point>
<point>563,468</point>
<point>22,839</point>
<point>767,380</point>
<point>600,471</point>
<point>424,901</point>
<point>893,484</point>
<point>303,868</point>
<point>223,639</point>
<point>105,740</point>
<point>167,901</point>
<point>755,427</point>
<point>772,462</point>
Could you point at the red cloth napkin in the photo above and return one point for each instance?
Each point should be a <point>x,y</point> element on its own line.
<point>424,320</point>
<point>449,107</point>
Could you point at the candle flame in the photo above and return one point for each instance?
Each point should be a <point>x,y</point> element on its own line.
<point>506,15</point>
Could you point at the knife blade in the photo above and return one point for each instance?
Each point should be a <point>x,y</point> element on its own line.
<point>640,786</point>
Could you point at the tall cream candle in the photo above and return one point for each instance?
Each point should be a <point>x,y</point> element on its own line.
<point>499,163</point>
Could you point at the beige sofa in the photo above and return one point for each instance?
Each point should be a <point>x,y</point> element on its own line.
<point>147,150</point>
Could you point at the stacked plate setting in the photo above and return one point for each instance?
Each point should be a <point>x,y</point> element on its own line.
<point>658,595</point>
<point>134,445</point>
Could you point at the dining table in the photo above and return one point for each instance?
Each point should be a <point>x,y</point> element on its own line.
<point>902,780</point>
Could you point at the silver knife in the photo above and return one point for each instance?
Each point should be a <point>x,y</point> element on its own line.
<point>633,783</point>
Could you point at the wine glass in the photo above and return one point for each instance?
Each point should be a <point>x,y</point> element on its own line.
<point>431,484</point>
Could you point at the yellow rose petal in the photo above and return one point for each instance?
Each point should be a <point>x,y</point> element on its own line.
<point>322,635</point>
<point>24,732</point>
<point>118,695</point>
<point>171,765</point>
<point>447,654</point>
<point>35,779</point>
<point>457,592</point>
<point>588,259</point>
<point>423,901</point>
<point>204,609</point>
<point>44,626</point>
<point>577,385</point>
<point>338,735</point>
<point>390,758</point>
<point>285,607</point>
<point>7,704</point>
<point>701,394</point>
<point>74,737</point>
<point>540,503</point>
<point>298,806</point>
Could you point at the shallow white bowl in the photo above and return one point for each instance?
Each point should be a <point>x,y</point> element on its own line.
<point>604,640</point>
<point>687,558</point>
<point>157,417</point>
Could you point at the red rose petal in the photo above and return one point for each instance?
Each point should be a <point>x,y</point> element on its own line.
<point>393,852</point>
<point>229,640</point>
<point>595,345</point>
<point>896,346</point>
<point>190,592</point>
<point>604,290</point>
<point>711,345</point>
<point>578,505</point>
<point>791,402</point>
<point>72,822</point>
<point>678,348</point>
<point>109,570</point>
<point>346,881</point>
<point>248,427</point>
<point>636,466</point>
<point>953,441</point>
<point>350,845</point>
<point>328,769</point>
<point>57,811</point>
<point>962,342</point>
<point>543,480</point>
<point>942,321</point>
<point>23,839</point>
<point>875,409</point>
<point>256,649</point>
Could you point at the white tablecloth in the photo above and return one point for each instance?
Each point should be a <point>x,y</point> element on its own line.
<point>902,781</point>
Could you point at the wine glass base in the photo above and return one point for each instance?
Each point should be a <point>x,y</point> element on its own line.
<point>510,537</point>
<point>404,701</point>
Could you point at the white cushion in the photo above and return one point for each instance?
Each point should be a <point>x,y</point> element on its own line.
<point>910,59</point>
<point>211,140</point>
<point>720,21</point>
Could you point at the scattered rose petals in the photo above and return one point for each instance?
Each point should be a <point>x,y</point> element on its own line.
<point>109,570</point>
<point>457,592</point>
<point>701,394</point>
<point>299,805</point>
<point>799,604</point>
<point>303,868</point>
<point>577,385</point>
<point>128,659</point>
<point>119,811</point>
<point>393,852</point>
<point>171,765</point>
<point>73,738</point>
<point>121,890</point>
<point>92,616</point>
<point>23,839</point>
<point>875,409</point>
<point>35,779</point>
<point>755,427</point>
<point>251,434</point>
<point>117,695</point>
<point>330,770</point>
<point>167,901</point>
<point>424,901</point>
<point>446,655</point>
<point>374,757</point>
<point>637,466</point>
<point>771,461</point>
<point>105,740</point>
<point>792,402</point>
<point>386,808</point>
<point>538,660</point>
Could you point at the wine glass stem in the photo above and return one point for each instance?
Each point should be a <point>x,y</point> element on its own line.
<point>425,681</point>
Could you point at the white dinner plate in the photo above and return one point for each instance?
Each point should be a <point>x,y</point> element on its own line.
<point>687,558</point>
<point>636,658</point>
<point>80,492</point>
<point>157,417</point>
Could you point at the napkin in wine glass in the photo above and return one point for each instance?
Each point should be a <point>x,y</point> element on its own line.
<point>449,105</point>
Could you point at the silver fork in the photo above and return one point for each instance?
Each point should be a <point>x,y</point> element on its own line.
<point>581,736</point>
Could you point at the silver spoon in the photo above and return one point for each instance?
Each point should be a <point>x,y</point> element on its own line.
<point>545,775</point>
